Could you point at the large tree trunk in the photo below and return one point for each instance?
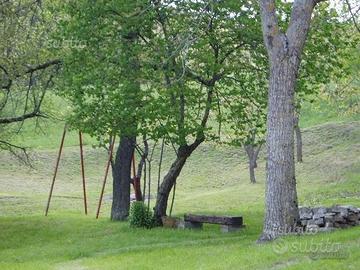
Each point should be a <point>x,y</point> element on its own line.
<point>122,178</point>
<point>299,155</point>
<point>284,50</point>
<point>281,197</point>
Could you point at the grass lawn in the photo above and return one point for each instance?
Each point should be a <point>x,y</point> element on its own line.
<point>215,180</point>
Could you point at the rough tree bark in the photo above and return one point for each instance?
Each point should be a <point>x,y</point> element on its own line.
<point>299,155</point>
<point>122,165</point>
<point>284,50</point>
<point>166,186</point>
<point>252,153</point>
<point>170,178</point>
<point>121,179</point>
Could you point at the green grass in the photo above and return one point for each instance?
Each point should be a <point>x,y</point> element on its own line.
<point>215,180</point>
<point>69,241</point>
<point>322,112</point>
<point>48,135</point>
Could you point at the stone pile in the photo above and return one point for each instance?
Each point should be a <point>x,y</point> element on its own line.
<point>328,218</point>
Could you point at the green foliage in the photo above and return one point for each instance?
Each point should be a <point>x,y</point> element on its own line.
<point>327,50</point>
<point>102,78</point>
<point>344,91</point>
<point>140,216</point>
<point>196,69</point>
<point>161,70</point>
<point>206,66</point>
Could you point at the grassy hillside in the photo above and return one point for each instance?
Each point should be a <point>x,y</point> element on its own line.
<point>215,180</point>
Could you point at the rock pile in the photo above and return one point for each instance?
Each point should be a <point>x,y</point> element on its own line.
<point>328,218</point>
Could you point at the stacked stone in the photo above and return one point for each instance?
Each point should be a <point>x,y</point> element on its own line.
<point>328,218</point>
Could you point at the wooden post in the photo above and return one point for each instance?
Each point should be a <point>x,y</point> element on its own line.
<point>56,169</point>
<point>83,171</point>
<point>106,174</point>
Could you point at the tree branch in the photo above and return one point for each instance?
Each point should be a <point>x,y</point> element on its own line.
<point>230,51</point>
<point>200,136</point>
<point>300,22</point>
<point>12,148</point>
<point>45,65</point>
<point>270,26</point>
<point>352,15</point>
<point>8,120</point>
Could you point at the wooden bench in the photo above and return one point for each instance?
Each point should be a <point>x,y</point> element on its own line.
<point>228,224</point>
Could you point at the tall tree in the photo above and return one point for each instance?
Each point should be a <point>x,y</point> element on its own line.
<point>284,51</point>
<point>103,79</point>
<point>200,41</point>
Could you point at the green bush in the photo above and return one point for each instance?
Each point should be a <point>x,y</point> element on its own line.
<point>140,216</point>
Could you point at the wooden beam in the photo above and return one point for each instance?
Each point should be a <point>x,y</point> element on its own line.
<point>224,220</point>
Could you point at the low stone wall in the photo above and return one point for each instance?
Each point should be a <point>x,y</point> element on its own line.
<point>329,218</point>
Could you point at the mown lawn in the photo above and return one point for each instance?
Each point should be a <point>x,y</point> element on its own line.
<point>68,241</point>
<point>215,180</point>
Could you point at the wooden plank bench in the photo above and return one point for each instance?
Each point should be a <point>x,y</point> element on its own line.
<point>228,224</point>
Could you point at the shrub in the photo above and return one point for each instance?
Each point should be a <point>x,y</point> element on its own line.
<point>140,216</point>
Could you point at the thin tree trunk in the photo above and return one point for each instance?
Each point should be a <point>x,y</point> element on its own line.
<point>166,186</point>
<point>252,172</point>
<point>122,178</point>
<point>137,189</point>
<point>137,179</point>
<point>252,162</point>
<point>299,155</point>
<point>252,153</point>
